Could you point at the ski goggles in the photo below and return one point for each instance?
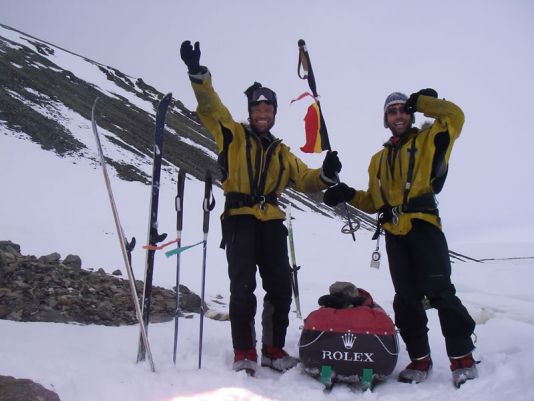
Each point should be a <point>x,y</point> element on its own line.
<point>263,95</point>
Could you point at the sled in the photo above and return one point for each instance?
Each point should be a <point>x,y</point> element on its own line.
<point>357,345</point>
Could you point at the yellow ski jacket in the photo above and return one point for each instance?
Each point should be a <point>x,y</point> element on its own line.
<point>250,165</point>
<point>413,169</point>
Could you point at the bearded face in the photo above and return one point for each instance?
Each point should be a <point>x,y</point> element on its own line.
<point>262,117</point>
<point>397,120</point>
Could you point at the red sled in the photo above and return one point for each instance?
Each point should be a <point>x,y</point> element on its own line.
<point>355,345</point>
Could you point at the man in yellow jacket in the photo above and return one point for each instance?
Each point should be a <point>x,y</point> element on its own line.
<point>256,168</point>
<point>404,177</point>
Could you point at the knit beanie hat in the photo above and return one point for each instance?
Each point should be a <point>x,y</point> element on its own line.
<point>395,98</point>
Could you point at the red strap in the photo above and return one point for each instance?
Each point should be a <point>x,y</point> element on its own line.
<point>159,247</point>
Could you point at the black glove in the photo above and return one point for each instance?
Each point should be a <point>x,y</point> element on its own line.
<point>331,165</point>
<point>411,103</point>
<point>337,194</point>
<point>191,56</point>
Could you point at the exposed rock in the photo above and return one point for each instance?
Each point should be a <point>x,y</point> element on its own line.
<point>12,389</point>
<point>73,261</point>
<point>52,258</point>
<point>10,247</point>
<point>50,290</point>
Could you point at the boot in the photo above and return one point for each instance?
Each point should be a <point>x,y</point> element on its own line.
<point>417,371</point>
<point>245,360</point>
<point>276,358</point>
<point>463,368</point>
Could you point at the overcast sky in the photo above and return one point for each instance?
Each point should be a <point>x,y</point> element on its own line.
<point>477,53</point>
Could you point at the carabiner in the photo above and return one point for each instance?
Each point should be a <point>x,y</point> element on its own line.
<point>262,201</point>
<point>396,215</point>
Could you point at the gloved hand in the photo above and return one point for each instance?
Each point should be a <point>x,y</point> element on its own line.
<point>337,194</point>
<point>411,103</point>
<point>191,56</point>
<point>331,165</point>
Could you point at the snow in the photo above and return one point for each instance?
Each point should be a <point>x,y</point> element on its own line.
<point>53,204</point>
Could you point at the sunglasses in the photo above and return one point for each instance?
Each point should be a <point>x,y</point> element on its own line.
<point>392,111</point>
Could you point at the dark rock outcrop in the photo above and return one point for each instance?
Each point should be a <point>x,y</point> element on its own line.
<point>48,289</point>
<point>12,389</point>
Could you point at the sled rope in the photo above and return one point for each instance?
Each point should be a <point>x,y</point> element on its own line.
<point>310,343</point>
<point>386,348</point>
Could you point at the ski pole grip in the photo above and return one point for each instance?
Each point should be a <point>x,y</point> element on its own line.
<point>206,205</point>
<point>305,59</point>
<point>179,201</point>
<point>206,222</point>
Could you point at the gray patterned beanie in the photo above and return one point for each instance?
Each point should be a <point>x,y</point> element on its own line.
<point>395,98</point>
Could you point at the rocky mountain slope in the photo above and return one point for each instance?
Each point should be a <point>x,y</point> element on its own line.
<point>47,93</point>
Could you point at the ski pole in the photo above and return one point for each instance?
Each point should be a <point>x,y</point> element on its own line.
<point>179,205</point>
<point>207,205</point>
<point>305,63</point>
<point>124,245</point>
<point>294,267</point>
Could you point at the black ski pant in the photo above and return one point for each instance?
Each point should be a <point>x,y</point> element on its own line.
<point>251,243</point>
<point>420,266</point>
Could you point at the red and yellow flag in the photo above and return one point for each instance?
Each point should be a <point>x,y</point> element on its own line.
<point>312,126</point>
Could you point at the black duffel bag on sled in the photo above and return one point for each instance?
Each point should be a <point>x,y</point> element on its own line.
<point>349,339</point>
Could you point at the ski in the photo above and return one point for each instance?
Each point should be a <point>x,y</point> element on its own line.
<point>294,267</point>
<point>207,205</point>
<point>126,247</point>
<point>153,236</point>
<point>179,205</point>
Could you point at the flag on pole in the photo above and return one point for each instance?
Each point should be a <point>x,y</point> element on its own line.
<point>314,128</point>
<point>316,132</point>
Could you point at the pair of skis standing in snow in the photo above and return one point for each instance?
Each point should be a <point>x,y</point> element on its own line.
<point>142,309</point>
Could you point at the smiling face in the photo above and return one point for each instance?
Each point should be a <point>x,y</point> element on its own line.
<point>262,117</point>
<point>397,120</point>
